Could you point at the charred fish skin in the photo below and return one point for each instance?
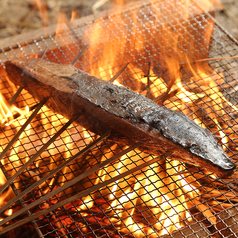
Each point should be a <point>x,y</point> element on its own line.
<point>178,128</point>
<point>130,116</point>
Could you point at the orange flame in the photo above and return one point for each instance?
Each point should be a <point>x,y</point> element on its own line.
<point>42,7</point>
<point>132,44</point>
<point>161,187</point>
<point>7,112</point>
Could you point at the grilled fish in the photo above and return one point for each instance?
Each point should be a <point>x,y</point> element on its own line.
<point>131,117</point>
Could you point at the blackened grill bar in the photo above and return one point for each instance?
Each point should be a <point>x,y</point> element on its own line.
<point>142,204</point>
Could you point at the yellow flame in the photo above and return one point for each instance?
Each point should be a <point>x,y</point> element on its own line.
<point>161,187</point>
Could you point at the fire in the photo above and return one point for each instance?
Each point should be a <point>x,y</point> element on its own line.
<point>36,134</point>
<point>160,198</point>
<point>42,7</point>
<point>175,93</point>
<point>8,112</point>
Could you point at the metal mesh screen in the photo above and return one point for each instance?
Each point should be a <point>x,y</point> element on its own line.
<point>165,198</point>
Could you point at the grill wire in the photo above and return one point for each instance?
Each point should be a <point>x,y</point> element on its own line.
<point>95,215</point>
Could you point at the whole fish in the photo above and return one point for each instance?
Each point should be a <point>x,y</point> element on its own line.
<point>131,117</point>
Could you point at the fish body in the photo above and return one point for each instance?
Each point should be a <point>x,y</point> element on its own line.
<point>131,117</point>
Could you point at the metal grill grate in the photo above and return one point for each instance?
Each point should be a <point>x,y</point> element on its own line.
<point>160,198</point>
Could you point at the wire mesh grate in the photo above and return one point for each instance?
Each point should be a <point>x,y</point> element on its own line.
<point>167,198</point>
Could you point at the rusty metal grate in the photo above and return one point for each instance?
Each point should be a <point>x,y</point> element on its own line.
<point>163,197</point>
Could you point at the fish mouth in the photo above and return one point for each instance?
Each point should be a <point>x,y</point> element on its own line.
<point>216,161</point>
<point>225,172</point>
<point>226,166</point>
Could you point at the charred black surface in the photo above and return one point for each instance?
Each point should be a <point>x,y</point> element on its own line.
<point>130,116</point>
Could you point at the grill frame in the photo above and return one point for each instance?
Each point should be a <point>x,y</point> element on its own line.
<point>67,54</point>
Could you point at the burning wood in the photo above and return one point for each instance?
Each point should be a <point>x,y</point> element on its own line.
<point>128,115</point>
